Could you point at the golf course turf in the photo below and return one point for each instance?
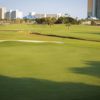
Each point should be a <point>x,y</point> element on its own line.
<point>49,71</point>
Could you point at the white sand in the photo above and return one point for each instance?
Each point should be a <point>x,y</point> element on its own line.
<point>34,41</point>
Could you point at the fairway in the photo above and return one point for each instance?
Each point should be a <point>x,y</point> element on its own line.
<point>49,71</point>
<point>79,31</point>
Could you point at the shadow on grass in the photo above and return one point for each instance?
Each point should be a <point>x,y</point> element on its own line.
<point>65,36</point>
<point>36,89</point>
<point>93,69</point>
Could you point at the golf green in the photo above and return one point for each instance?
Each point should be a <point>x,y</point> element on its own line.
<point>45,71</point>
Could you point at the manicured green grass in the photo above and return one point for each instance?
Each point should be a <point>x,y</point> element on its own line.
<point>85,32</point>
<point>49,71</point>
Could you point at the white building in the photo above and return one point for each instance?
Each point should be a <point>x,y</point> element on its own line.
<point>44,15</point>
<point>16,14</point>
<point>32,13</point>
<point>2,12</point>
<point>54,15</point>
<point>37,15</point>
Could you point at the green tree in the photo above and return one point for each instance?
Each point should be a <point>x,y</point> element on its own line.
<point>50,20</point>
<point>60,20</point>
<point>68,25</point>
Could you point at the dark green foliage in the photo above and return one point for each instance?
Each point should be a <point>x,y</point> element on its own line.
<point>70,20</point>
<point>40,20</point>
<point>60,20</point>
<point>64,20</point>
<point>48,20</point>
<point>53,20</point>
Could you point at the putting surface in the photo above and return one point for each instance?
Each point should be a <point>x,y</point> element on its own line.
<point>47,71</point>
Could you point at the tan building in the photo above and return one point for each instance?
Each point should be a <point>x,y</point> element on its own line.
<point>2,12</point>
<point>94,8</point>
<point>90,7</point>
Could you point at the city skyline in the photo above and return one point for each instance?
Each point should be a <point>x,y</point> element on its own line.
<point>75,9</point>
<point>17,14</point>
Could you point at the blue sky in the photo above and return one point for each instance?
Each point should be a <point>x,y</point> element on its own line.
<point>76,8</point>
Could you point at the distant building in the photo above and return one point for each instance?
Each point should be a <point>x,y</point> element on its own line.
<point>42,15</point>
<point>54,15</point>
<point>32,13</point>
<point>37,15</point>
<point>16,14</point>
<point>94,9</point>
<point>85,22</point>
<point>8,15</point>
<point>2,12</point>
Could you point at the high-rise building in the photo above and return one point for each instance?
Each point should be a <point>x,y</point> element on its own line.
<point>8,15</point>
<point>2,12</point>
<point>94,8</point>
<point>16,14</point>
<point>98,9</point>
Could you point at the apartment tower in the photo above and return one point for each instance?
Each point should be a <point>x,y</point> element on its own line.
<point>94,8</point>
<point>2,12</point>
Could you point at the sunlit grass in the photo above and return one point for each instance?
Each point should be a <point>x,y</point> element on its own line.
<point>49,71</point>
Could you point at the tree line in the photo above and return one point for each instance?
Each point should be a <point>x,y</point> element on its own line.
<point>60,20</point>
<point>47,20</point>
